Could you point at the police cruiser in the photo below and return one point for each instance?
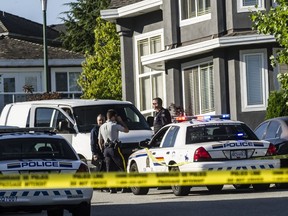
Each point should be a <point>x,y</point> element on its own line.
<point>204,143</point>
<point>24,152</point>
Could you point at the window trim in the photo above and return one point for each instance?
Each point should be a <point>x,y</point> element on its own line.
<point>159,32</point>
<point>243,9</point>
<point>243,84</point>
<point>192,20</point>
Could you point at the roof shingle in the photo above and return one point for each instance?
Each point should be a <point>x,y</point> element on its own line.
<point>121,3</point>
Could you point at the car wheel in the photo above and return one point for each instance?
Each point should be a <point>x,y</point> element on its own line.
<point>84,209</point>
<point>179,190</point>
<point>55,212</point>
<point>214,188</point>
<point>138,190</point>
<point>261,187</point>
<point>241,186</point>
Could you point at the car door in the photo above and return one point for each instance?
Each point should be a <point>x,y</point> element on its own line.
<point>165,138</point>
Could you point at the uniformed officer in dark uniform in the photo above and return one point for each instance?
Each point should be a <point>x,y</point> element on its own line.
<point>162,115</point>
<point>97,155</point>
<point>108,139</point>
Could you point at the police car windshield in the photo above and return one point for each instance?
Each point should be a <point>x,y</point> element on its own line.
<point>36,148</point>
<point>86,116</point>
<point>218,132</point>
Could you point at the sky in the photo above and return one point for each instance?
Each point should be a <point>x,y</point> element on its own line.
<point>32,9</point>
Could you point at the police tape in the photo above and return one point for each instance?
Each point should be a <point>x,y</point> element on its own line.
<point>163,163</point>
<point>119,179</point>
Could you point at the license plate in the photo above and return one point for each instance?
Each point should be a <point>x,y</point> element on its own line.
<point>239,154</point>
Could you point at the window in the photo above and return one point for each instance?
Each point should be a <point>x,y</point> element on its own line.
<point>272,131</point>
<point>150,82</point>
<point>198,10</point>
<point>254,81</point>
<point>170,138</point>
<point>67,81</point>
<point>199,89</point>
<point>250,5</point>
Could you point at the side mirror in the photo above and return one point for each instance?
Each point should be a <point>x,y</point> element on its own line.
<point>144,143</point>
<point>150,120</point>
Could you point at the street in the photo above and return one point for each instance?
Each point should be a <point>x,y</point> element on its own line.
<point>198,203</point>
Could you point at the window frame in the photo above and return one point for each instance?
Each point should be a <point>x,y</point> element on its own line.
<point>243,80</point>
<point>243,9</point>
<point>151,74</point>
<point>54,71</point>
<point>192,20</point>
<point>190,65</point>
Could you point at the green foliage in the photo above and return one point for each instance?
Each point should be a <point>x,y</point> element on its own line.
<point>80,24</point>
<point>274,22</point>
<point>101,76</point>
<point>278,100</point>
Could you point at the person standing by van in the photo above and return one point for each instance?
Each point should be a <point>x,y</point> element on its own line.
<point>162,116</point>
<point>109,139</point>
<point>97,155</point>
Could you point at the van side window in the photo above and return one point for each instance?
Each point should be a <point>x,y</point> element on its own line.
<point>43,117</point>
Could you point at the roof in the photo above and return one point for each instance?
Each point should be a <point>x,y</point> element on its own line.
<point>11,48</point>
<point>19,27</point>
<point>74,102</point>
<point>121,3</point>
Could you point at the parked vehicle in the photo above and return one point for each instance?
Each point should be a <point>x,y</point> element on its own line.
<point>74,119</point>
<point>204,144</point>
<point>27,152</point>
<point>275,131</point>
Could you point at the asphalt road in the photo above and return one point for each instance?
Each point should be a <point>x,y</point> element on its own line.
<point>199,202</point>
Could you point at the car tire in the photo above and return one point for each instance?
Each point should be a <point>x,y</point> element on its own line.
<point>84,209</point>
<point>55,212</point>
<point>138,190</point>
<point>179,190</point>
<point>261,187</point>
<point>241,186</point>
<point>214,188</point>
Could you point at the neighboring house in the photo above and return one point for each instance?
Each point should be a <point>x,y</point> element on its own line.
<point>21,61</point>
<point>201,54</point>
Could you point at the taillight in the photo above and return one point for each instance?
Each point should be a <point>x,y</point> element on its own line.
<point>83,168</point>
<point>201,155</point>
<point>271,150</point>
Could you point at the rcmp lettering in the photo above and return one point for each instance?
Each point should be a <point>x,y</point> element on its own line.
<point>40,164</point>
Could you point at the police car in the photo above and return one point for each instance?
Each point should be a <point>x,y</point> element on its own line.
<point>24,152</point>
<point>204,143</point>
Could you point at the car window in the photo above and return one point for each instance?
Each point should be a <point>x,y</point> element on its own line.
<point>86,116</point>
<point>272,130</point>
<point>36,148</point>
<point>170,138</point>
<point>260,131</point>
<point>216,132</point>
<point>158,137</point>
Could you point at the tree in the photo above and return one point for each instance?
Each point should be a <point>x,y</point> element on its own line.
<point>101,76</point>
<point>80,24</point>
<point>274,22</point>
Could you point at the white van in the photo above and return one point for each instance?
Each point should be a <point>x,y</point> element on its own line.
<point>81,117</point>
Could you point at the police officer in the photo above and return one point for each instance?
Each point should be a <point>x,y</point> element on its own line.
<point>97,155</point>
<point>108,137</point>
<point>162,115</point>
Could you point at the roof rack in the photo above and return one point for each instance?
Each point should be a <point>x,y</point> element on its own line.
<point>12,129</point>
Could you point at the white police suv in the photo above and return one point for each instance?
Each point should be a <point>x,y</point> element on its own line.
<point>41,152</point>
<point>204,143</point>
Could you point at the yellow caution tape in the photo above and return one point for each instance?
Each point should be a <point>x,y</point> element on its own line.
<point>108,180</point>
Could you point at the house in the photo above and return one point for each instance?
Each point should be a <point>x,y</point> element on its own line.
<point>200,54</point>
<point>21,61</point>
